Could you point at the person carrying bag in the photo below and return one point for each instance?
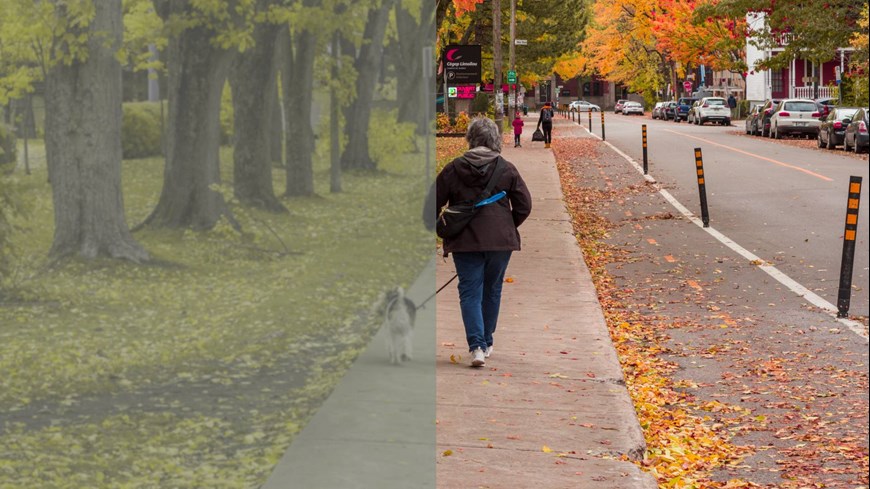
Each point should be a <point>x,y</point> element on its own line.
<point>454,218</point>
<point>482,247</point>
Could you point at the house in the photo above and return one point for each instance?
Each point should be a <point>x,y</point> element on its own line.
<point>795,80</point>
<point>592,89</point>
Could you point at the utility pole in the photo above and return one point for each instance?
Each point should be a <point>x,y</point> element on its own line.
<point>496,61</point>
<point>513,89</point>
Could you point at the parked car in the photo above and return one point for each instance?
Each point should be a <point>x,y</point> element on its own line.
<point>833,128</point>
<point>753,120</point>
<point>712,109</point>
<point>795,116</point>
<point>668,111</point>
<point>766,112</point>
<point>657,112</point>
<point>856,136</point>
<point>690,118</point>
<point>618,107</point>
<point>583,106</point>
<point>632,108</point>
<point>681,111</point>
<point>825,106</point>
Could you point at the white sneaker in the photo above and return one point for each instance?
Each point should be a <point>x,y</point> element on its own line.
<point>488,351</point>
<point>478,358</point>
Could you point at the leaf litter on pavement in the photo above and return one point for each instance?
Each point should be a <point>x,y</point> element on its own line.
<point>690,438</point>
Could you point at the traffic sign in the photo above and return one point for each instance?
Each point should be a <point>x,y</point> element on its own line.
<point>512,76</point>
<point>687,86</point>
<point>520,42</point>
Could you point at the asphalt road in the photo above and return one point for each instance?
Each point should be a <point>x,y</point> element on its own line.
<point>785,380</point>
<point>784,203</point>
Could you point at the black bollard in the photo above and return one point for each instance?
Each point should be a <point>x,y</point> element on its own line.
<point>844,296</point>
<point>602,126</point>
<point>702,188</point>
<point>645,166</point>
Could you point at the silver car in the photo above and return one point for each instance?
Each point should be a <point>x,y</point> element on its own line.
<point>583,106</point>
<point>632,108</point>
<point>795,116</point>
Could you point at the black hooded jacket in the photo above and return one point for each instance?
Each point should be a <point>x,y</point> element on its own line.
<point>494,227</point>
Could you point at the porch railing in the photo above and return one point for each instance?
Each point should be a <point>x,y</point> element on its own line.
<point>807,92</point>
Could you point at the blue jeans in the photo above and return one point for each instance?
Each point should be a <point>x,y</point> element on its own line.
<point>481,275</point>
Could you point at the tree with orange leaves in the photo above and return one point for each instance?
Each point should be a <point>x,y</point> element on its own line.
<point>621,46</point>
<point>718,43</point>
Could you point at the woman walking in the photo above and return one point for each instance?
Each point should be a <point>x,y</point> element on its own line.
<point>545,122</point>
<point>482,250</point>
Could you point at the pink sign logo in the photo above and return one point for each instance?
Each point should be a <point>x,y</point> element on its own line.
<point>451,55</point>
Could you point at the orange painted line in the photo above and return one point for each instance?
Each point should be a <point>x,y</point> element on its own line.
<point>694,285</point>
<point>763,158</point>
<point>670,259</point>
<point>651,241</point>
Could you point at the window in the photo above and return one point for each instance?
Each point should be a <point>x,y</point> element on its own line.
<point>800,106</point>
<point>776,81</point>
<point>593,89</point>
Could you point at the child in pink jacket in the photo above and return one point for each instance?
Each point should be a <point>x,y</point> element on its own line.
<point>518,130</point>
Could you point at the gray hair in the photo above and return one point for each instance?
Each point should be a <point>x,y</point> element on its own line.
<point>482,131</point>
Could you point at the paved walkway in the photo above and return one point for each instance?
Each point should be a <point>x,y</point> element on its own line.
<point>550,409</point>
<point>376,430</point>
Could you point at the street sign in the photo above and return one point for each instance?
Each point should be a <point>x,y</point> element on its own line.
<point>451,92</point>
<point>520,42</point>
<point>687,86</point>
<point>462,63</point>
<point>512,76</point>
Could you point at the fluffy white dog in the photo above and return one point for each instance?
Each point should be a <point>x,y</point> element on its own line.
<point>399,315</point>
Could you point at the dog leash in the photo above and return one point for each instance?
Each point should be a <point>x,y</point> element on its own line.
<point>422,304</point>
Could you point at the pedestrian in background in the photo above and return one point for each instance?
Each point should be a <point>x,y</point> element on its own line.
<point>518,129</point>
<point>482,250</point>
<point>545,122</point>
<point>732,103</point>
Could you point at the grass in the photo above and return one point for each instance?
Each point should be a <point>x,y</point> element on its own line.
<point>199,373</point>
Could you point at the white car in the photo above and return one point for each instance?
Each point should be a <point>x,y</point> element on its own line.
<point>583,106</point>
<point>712,109</point>
<point>632,108</point>
<point>795,116</point>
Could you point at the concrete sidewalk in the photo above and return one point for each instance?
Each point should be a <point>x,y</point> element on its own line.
<point>376,429</point>
<point>550,408</point>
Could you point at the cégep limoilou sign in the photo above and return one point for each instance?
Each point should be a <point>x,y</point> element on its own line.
<point>462,63</point>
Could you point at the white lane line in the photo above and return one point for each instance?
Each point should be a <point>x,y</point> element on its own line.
<point>771,270</point>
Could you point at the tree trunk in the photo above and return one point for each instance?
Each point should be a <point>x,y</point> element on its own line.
<point>368,67</point>
<point>253,83</point>
<point>297,79</point>
<point>276,126</point>
<point>197,72</point>
<point>408,65</point>
<point>83,147</point>
<point>334,116</point>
